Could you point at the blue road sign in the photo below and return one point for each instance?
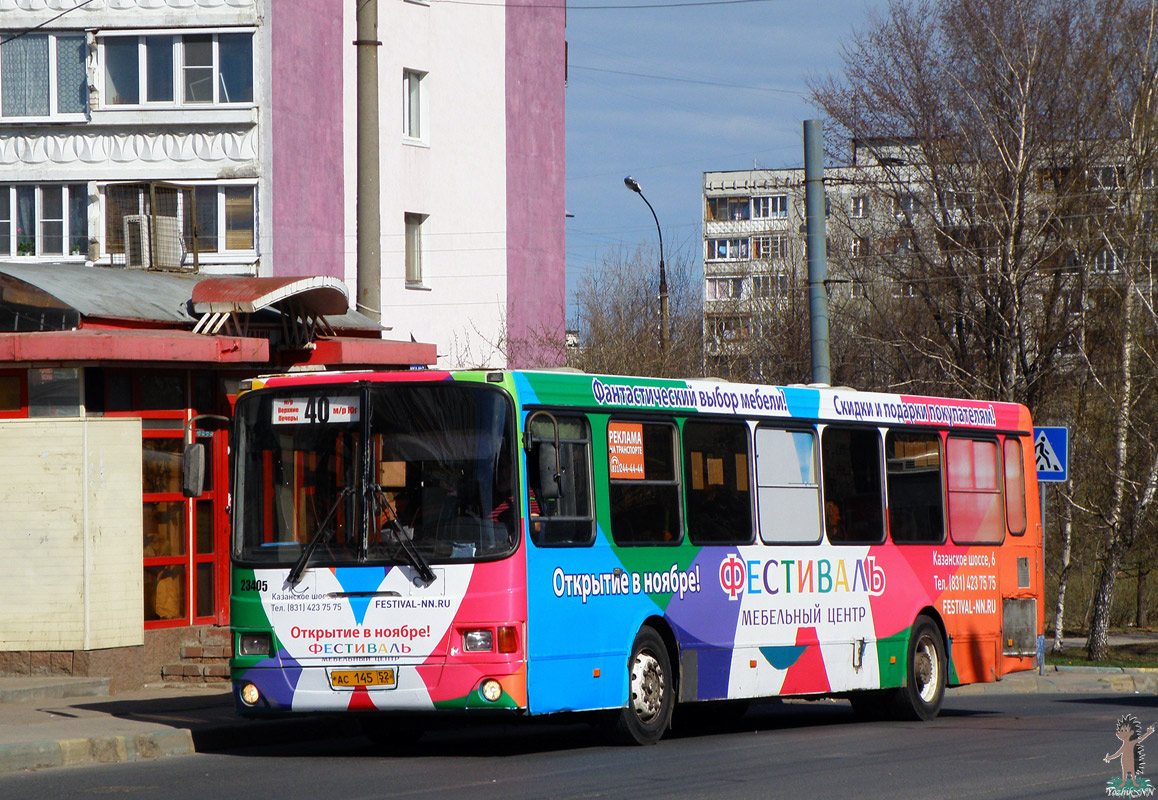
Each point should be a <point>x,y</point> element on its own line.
<point>1051,446</point>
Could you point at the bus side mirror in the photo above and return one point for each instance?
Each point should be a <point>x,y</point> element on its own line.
<point>193,470</point>
<point>548,471</point>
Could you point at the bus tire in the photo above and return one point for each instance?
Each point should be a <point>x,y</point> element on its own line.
<point>650,692</point>
<point>924,690</point>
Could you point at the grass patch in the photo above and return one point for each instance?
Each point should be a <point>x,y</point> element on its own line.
<point>1123,656</point>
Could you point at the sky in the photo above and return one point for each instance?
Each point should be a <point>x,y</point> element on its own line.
<point>666,94</point>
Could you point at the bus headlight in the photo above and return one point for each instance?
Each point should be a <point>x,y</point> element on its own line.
<point>492,690</point>
<point>480,641</point>
<point>249,694</point>
<point>253,644</point>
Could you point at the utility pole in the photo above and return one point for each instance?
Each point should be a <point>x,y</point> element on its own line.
<point>816,239</point>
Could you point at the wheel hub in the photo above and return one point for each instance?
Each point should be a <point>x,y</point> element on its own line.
<point>925,670</point>
<point>646,687</point>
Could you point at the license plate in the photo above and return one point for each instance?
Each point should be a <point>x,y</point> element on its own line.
<point>363,678</point>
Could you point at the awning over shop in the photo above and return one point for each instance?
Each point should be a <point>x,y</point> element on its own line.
<point>131,345</point>
<point>69,312</point>
<point>315,295</point>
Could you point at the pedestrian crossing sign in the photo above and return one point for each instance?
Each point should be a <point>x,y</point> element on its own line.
<point>1051,449</point>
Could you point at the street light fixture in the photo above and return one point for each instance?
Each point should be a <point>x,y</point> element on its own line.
<point>632,184</point>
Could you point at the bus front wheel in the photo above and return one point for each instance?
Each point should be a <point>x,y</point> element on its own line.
<point>650,691</point>
<point>924,690</point>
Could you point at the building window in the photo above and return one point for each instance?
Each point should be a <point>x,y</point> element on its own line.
<point>43,75</point>
<point>906,205</point>
<point>858,247</point>
<point>413,104</point>
<point>770,247</point>
<point>903,245</point>
<point>414,249</point>
<point>727,329</point>
<point>902,289</point>
<point>727,249</point>
<point>723,288</point>
<point>723,209</point>
<point>1108,177</point>
<point>194,69</point>
<point>860,206</point>
<point>773,207</point>
<point>206,218</point>
<point>45,220</point>
<point>1105,261</point>
<point>776,285</point>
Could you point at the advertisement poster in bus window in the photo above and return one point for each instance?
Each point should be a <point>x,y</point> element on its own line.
<point>625,450</point>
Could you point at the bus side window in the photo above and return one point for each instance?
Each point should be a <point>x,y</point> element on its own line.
<point>716,481</point>
<point>787,489</point>
<point>644,483</point>
<point>1015,485</point>
<point>567,519</point>
<point>976,515</point>
<point>916,509</point>
<point>853,502</point>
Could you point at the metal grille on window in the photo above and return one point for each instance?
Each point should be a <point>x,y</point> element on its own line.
<point>71,80</point>
<point>149,226</point>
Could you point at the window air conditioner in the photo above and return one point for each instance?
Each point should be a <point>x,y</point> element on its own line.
<point>137,241</point>
<point>167,252</point>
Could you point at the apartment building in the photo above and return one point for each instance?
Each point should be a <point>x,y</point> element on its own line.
<point>177,213</point>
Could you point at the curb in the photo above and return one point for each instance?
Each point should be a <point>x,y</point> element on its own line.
<point>97,750</point>
<point>166,743</point>
<point>35,691</point>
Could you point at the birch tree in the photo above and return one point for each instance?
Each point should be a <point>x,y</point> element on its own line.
<point>1014,141</point>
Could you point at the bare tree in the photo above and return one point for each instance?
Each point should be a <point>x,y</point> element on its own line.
<point>1123,371</point>
<point>1013,142</point>
<point>955,110</point>
<point>617,318</point>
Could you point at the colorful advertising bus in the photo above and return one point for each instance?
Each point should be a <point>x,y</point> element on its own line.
<point>526,543</point>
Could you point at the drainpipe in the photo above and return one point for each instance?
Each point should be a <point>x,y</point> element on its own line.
<point>369,300</point>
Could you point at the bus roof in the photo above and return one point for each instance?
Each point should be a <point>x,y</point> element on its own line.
<point>704,396</point>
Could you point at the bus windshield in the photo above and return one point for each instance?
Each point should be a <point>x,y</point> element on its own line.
<point>387,474</point>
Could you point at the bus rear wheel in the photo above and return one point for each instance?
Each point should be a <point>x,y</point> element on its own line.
<point>650,698</point>
<point>924,690</point>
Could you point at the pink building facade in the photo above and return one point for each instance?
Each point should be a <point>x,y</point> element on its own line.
<point>479,183</point>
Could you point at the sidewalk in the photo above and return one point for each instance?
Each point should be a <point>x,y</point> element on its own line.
<point>59,722</point>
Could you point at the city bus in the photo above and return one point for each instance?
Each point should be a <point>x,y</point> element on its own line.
<point>408,545</point>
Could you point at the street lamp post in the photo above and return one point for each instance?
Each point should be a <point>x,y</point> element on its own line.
<point>632,184</point>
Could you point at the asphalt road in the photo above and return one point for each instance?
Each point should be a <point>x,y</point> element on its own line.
<point>999,746</point>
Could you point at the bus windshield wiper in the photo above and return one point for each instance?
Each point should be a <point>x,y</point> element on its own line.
<point>420,564</point>
<point>321,533</point>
